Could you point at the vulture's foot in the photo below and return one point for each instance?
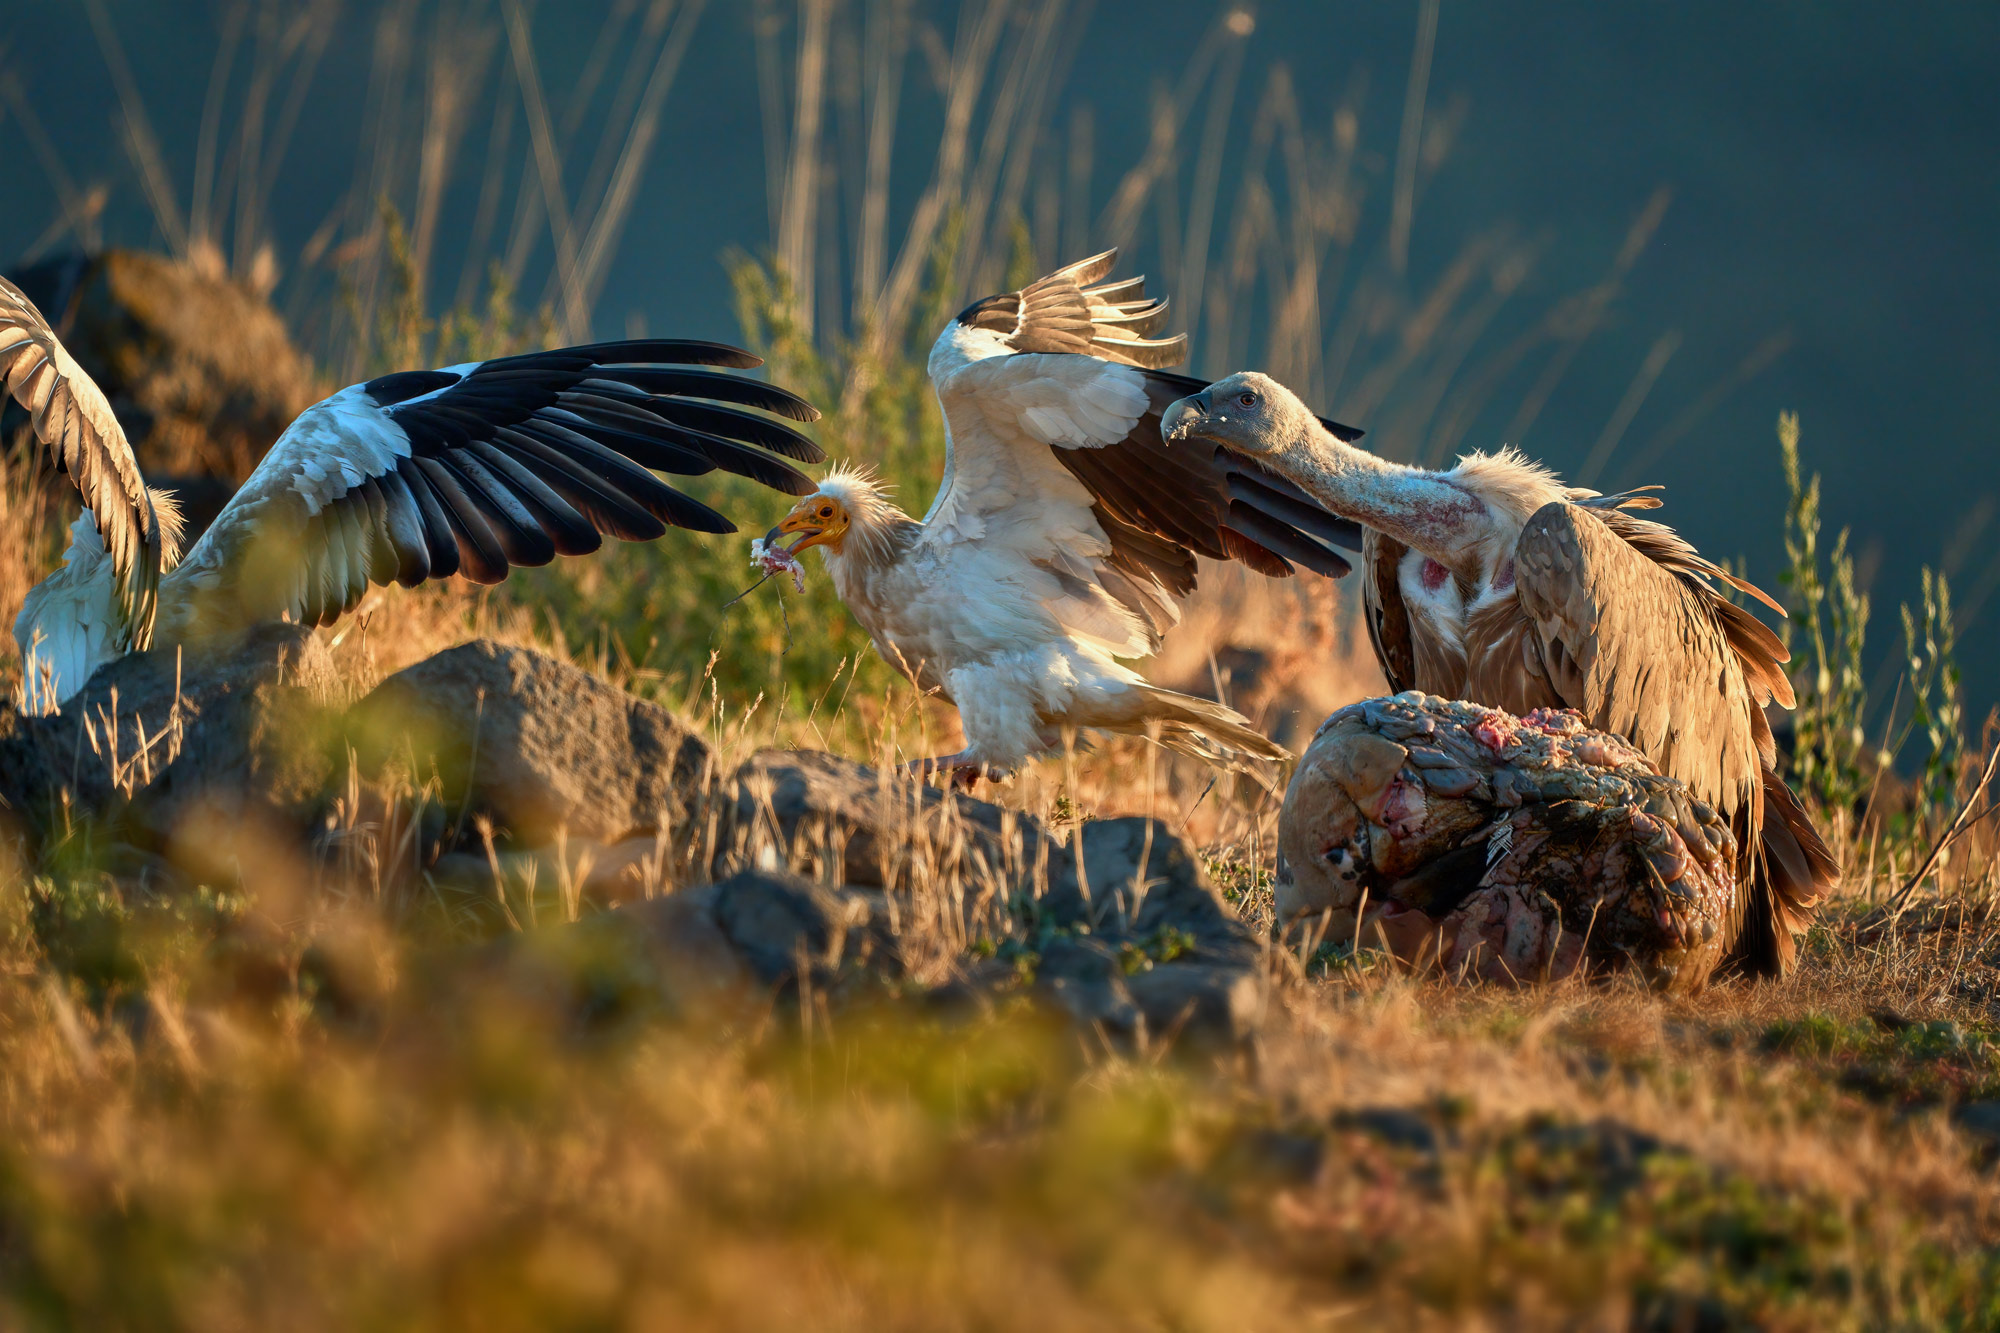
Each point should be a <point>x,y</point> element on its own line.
<point>1504,849</point>
<point>961,771</point>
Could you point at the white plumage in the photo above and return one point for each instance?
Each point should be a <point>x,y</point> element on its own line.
<point>1064,531</point>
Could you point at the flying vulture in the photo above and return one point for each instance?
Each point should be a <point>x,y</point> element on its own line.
<point>1065,531</point>
<point>411,476</point>
<point>1494,582</point>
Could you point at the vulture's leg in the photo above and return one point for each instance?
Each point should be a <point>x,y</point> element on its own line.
<point>961,770</point>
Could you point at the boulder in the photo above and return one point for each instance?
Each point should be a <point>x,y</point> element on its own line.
<point>1142,881</point>
<point>836,819</point>
<point>666,956</point>
<point>777,922</point>
<point>233,727</point>
<point>533,745</point>
<point>198,367</point>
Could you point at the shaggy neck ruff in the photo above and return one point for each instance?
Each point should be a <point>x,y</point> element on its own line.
<point>878,531</point>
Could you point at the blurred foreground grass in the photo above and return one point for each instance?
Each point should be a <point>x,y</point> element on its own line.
<point>385,1135</point>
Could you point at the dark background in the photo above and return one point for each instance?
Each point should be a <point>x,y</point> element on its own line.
<point>1832,168</point>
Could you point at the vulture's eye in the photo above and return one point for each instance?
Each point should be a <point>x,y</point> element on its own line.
<point>1246,400</point>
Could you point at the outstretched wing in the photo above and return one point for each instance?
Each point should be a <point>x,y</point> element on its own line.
<point>74,422</point>
<point>1052,398</point>
<point>476,468</point>
<point>1632,633</point>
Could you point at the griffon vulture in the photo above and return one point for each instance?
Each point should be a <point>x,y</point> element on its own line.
<point>1494,582</point>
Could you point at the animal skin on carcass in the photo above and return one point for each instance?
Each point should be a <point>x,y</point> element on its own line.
<point>1504,848</point>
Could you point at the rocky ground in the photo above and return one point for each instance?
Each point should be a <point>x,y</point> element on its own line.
<point>499,769</point>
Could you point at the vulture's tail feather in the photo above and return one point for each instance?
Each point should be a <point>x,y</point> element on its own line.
<point>1791,872</point>
<point>1201,729</point>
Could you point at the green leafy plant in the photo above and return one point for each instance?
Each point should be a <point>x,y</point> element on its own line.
<point>1937,704</point>
<point>1830,759</point>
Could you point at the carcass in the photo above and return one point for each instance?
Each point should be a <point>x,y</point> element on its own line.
<point>1510,849</point>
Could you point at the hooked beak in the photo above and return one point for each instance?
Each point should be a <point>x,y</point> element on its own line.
<point>1184,416</point>
<point>800,523</point>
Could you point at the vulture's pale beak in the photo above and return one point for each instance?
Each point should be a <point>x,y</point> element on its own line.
<point>1183,416</point>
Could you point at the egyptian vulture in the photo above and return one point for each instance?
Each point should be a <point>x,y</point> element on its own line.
<point>411,476</point>
<point>1064,532</point>
<point>1494,582</point>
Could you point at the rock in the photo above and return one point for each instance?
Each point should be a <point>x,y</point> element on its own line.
<point>538,745</point>
<point>1510,849</point>
<point>1144,881</point>
<point>199,368</point>
<point>833,818</point>
<point>1084,977</point>
<point>1980,1121</point>
<point>1139,942</point>
<point>777,921</point>
<point>235,729</point>
<point>699,952</point>
<point>1189,999</point>
<point>666,956</point>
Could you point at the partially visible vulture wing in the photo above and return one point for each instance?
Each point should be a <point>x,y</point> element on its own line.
<point>1387,614</point>
<point>1052,398</point>
<point>74,422</point>
<point>475,468</point>
<point>1630,632</point>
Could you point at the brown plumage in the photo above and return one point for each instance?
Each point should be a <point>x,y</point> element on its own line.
<point>1494,582</point>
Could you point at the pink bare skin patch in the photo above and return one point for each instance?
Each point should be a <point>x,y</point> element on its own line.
<point>1433,575</point>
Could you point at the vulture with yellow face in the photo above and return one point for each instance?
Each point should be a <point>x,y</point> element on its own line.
<point>1065,532</point>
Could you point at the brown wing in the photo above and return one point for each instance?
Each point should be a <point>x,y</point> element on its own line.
<point>1633,636</point>
<point>1206,500</point>
<point>1382,605</point>
<point>74,422</point>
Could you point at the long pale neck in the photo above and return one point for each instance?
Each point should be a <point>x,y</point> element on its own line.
<point>1419,508</point>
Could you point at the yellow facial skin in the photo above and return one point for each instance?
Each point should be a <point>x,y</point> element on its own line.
<point>821,518</point>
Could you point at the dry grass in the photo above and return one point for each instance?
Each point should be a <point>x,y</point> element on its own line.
<point>279,1092</point>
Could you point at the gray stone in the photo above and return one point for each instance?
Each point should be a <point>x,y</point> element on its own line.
<point>662,957</point>
<point>1198,1000</point>
<point>236,728</point>
<point>1142,878</point>
<point>840,820</point>
<point>776,922</point>
<point>1980,1120</point>
<point>1085,977</point>
<point>536,745</point>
